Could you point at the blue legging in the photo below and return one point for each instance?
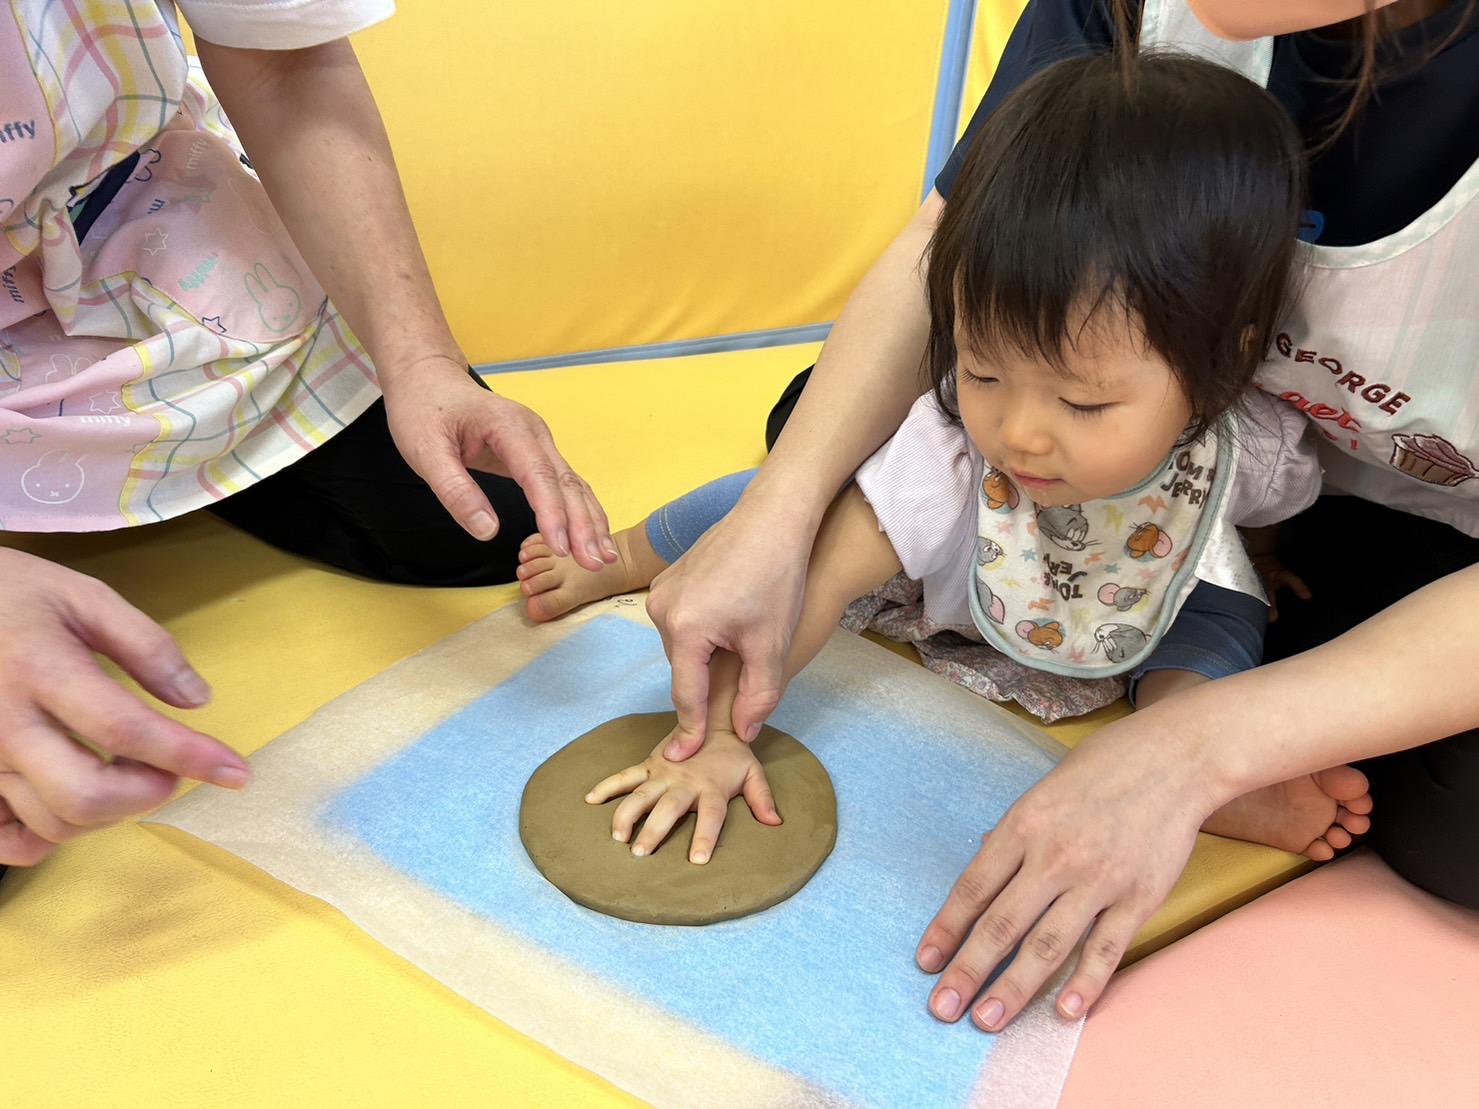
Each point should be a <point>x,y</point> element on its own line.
<point>677,525</point>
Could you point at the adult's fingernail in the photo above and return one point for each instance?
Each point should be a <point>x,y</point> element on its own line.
<point>483,524</point>
<point>751,732</point>
<point>191,687</point>
<point>229,777</point>
<point>671,750</point>
<point>594,550</point>
<point>1072,1005</point>
<point>929,958</point>
<point>700,857</point>
<point>990,1013</point>
<point>561,543</point>
<point>639,851</point>
<point>947,1004</point>
<point>610,548</point>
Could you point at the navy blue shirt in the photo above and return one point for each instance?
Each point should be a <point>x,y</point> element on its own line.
<point>1407,149</point>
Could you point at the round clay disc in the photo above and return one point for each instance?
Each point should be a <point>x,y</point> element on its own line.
<point>753,866</point>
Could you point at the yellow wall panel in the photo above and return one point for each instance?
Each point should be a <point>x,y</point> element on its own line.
<point>588,175</point>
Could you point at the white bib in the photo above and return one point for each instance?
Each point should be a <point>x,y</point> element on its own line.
<point>1087,590</point>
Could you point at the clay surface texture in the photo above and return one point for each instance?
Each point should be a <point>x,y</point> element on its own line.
<point>753,866</point>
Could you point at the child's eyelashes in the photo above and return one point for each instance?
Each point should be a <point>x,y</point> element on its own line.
<point>1074,407</point>
<point>1085,409</point>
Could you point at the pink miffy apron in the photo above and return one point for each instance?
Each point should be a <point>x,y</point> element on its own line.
<point>182,350</point>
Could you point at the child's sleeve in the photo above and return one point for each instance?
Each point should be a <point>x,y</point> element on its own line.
<point>1279,471</point>
<point>921,485</point>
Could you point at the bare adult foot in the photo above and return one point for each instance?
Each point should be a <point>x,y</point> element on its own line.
<point>1316,815</point>
<point>556,584</point>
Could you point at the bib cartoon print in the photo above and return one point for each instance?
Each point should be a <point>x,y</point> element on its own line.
<point>1087,590</point>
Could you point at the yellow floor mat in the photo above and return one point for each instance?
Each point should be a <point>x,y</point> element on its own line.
<point>137,970</point>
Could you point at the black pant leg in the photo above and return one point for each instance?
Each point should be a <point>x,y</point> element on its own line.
<point>1358,559</point>
<point>355,504</point>
<point>775,423</point>
<point>1426,820</point>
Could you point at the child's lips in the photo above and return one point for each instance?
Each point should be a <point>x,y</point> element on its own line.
<point>1034,480</point>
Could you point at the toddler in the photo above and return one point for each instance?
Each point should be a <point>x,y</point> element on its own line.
<point>1104,279</point>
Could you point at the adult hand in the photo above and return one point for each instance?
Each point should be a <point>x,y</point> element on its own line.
<point>444,424</point>
<point>1094,848</point>
<point>738,588</point>
<point>53,788</point>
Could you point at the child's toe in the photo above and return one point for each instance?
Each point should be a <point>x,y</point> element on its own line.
<point>1361,806</point>
<point>1320,851</point>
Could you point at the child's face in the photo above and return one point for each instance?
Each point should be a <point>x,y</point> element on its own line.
<point>1095,431</point>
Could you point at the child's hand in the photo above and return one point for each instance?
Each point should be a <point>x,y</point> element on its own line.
<point>668,791</point>
<point>1262,545</point>
<point>1276,576</point>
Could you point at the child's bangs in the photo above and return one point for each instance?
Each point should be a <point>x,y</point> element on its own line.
<point>1034,313</point>
<point>1091,214</point>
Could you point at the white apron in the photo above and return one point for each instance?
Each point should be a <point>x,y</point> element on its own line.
<point>1381,353</point>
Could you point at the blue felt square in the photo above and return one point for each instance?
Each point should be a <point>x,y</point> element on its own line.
<point>823,985</point>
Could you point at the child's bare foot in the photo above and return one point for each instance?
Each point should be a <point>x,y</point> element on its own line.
<point>1316,815</point>
<point>556,584</point>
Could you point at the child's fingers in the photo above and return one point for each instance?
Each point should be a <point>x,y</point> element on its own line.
<point>632,809</point>
<point>672,808</point>
<point>624,781</point>
<point>712,809</point>
<point>1301,590</point>
<point>758,796</point>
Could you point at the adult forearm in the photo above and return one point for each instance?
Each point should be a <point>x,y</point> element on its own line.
<point>851,557</point>
<point>308,122</point>
<point>864,382</point>
<point>1408,676</point>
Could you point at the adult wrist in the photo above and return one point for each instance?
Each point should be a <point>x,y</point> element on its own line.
<point>790,504</point>
<point>392,369</point>
<point>1201,743</point>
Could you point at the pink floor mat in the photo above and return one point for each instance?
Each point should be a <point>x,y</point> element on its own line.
<point>1346,988</point>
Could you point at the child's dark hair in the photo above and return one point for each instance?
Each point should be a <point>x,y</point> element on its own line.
<point>1171,191</point>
